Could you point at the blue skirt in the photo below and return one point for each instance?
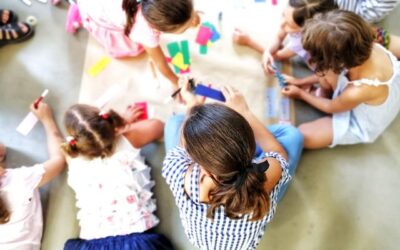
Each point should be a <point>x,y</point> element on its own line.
<point>134,241</point>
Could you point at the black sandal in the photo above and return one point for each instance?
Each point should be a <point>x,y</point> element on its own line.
<point>12,17</point>
<point>10,29</point>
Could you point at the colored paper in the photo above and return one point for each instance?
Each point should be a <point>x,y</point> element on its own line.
<point>178,61</point>
<point>187,71</point>
<point>271,103</point>
<point>173,49</point>
<point>203,49</point>
<point>209,44</point>
<point>274,2</point>
<point>203,35</point>
<point>27,124</point>
<point>209,92</point>
<point>143,107</point>
<point>99,66</point>
<point>185,52</point>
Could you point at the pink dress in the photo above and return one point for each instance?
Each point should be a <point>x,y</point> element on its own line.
<point>105,20</point>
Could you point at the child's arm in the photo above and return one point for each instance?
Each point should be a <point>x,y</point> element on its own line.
<point>56,161</point>
<point>283,54</point>
<point>349,99</point>
<point>143,132</point>
<point>311,79</point>
<point>264,138</point>
<point>157,55</point>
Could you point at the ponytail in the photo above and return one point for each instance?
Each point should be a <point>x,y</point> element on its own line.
<point>91,132</point>
<point>4,213</point>
<point>130,7</point>
<point>222,142</point>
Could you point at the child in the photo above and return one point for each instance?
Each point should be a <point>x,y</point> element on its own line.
<point>21,220</point>
<point>226,195</point>
<point>294,18</point>
<point>112,184</point>
<point>365,78</point>
<point>129,27</point>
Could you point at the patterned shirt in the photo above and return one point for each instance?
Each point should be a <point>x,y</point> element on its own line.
<point>221,232</point>
<point>371,10</point>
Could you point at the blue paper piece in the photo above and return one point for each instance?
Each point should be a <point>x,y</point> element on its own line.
<point>209,92</point>
<point>271,103</point>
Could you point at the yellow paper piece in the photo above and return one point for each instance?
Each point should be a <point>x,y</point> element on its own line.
<point>178,61</point>
<point>209,44</point>
<point>99,66</point>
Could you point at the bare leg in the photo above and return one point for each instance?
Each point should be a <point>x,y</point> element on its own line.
<point>394,45</point>
<point>317,134</point>
<point>244,39</point>
<point>143,132</point>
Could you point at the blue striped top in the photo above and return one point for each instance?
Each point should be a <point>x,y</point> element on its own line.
<point>221,232</point>
<point>371,10</point>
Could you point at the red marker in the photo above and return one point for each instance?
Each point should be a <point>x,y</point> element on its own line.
<point>36,103</point>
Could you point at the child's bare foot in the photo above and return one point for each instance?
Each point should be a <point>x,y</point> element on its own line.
<point>241,38</point>
<point>3,152</point>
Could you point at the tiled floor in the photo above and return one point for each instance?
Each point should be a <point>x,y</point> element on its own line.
<point>341,198</point>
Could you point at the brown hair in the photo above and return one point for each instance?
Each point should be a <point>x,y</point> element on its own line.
<point>222,142</point>
<point>306,9</point>
<point>163,15</point>
<point>93,134</point>
<point>4,213</point>
<point>337,40</point>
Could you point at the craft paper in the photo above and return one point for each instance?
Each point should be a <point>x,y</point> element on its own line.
<point>99,66</point>
<point>27,124</point>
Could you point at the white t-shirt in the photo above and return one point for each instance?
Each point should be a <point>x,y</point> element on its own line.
<point>18,189</point>
<point>113,194</point>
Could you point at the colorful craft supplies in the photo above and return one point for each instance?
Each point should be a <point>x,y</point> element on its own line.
<point>180,56</point>
<point>99,66</point>
<point>206,36</point>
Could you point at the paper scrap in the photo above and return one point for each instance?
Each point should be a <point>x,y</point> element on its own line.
<point>271,103</point>
<point>27,124</point>
<point>99,66</point>
<point>178,61</point>
<point>285,109</point>
<point>143,108</point>
<point>203,35</point>
<point>108,95</point>
<point>185,52</point>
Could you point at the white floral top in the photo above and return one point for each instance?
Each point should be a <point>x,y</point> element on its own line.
<point>113,194</point>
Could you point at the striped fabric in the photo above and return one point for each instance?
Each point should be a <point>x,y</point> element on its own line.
<point>371,10</point>
<point>221,232</point>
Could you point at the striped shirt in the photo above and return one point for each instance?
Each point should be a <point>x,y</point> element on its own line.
<point>371,10</point>
<point>221,232</point>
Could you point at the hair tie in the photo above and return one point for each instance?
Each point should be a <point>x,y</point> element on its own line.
<point>259,168</point>
<point>71,141</point>
<point>104,115</point>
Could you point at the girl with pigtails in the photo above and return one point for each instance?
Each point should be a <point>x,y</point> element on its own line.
<point>111,183</point>
<point>225,192</point>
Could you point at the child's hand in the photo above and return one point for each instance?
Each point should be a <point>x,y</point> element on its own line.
<point>186,93</point>
<point>235,100</point>
<point>267,62</point>
<point>43,112</point>
<point>292,91</point>
<point>132,113</point>
<point>291,79</point>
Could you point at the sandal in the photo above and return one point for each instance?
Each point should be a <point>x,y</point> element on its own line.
<point>12,33</point>
<point>12,17</point>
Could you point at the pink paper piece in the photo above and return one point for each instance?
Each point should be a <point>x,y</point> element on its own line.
<point>143,107</point>
<point>169,59</point>
<point>274,2</point>
<point>204,35</point>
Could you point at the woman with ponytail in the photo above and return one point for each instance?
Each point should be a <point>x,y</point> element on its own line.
<point>111,181</point>
<point>21,221</point>
<point>126,28</point>
<point>226,193</point>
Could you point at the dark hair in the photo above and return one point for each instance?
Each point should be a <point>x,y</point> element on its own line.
<point>306,9</point>
<point>164,15</point>
<point>222,142</point>
<point>93,135</point>
<point>4,213</point>
<point>337,40</point>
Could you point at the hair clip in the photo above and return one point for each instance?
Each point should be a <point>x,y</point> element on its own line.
<point>104,115</point>
<point>71,141</point>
